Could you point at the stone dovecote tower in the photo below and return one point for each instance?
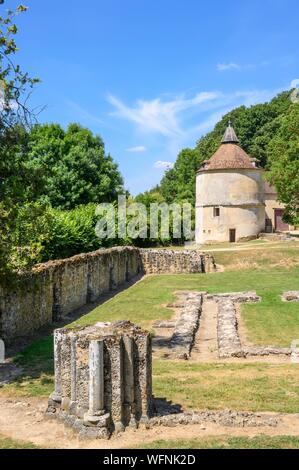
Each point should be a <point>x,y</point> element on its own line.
<point>229,195</point>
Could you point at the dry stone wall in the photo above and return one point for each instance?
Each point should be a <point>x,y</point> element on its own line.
<point>55,289</point>
<point>187,325</point>
<point>176,262</point>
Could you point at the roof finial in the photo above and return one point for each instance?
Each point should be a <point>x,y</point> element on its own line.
<point>230,137</point>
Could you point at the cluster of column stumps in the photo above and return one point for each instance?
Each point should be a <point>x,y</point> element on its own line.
<point>102,378</point>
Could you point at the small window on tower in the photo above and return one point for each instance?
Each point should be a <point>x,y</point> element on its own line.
<point>216,211</point>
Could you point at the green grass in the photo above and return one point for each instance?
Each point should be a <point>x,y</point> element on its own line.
<point>209,246</point>
<point>37,361</point>
<point>215,386</point>
<point>226,442</point>
<point>250,243</point>
<point>269,322</point>
<point>7,443</point>
<point>269,257</point>
<point>243,387</point>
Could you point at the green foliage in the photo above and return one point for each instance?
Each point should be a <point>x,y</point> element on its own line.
<point>283,151</point>
<point>20,180</point>
<point>17,178</point>
<point>71,232</point>
<point>78,170</point>
<point>179,182</point>
<point>14,83</point>
<point>24,229</point>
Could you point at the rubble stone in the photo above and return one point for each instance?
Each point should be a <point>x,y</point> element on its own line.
<point>291,296</point>
<point>187,325</point>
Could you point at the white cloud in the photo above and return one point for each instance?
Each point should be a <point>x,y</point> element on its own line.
<point>295,83</point>
<point>137,149</point>
<point>182,121</point>
<point>159,116</point>
<point>222,67</point>
<point>163,165</point>
<point>229,66</point>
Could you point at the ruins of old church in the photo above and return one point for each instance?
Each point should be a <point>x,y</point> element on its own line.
<point>233,202</point>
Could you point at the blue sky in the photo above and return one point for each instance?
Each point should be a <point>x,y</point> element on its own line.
<point>152,76</point>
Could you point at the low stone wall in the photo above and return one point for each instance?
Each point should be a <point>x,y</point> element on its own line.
<point>187,325</point>
<point>176,262</point>
<point>227,418</point>
<point>229,343</point>
<point>57,288</point>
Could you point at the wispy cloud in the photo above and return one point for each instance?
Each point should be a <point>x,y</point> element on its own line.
<point>157,115</point>
<point>181,121</point>
<point>83,113</point>
<point>137,149</point>
<point>225,66</point>
<point>163,165</point>
<point>228,66</point>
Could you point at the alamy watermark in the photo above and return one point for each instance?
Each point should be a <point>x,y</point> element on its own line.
<point>136,220</point>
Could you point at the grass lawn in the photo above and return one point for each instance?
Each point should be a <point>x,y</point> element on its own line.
<point>7,443</point>
<point>226,442</point>
<point>38,363</point>
<point>267,256</point>
<point>217,386</point>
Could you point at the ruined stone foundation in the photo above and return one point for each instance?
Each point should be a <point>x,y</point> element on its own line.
<point>103,378</point>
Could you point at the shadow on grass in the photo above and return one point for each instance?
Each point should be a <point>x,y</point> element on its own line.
<point>163,407</point>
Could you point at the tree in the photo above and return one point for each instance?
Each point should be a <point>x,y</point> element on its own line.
<point>79,171</point>
<point>15,85</point>
<point>283,163</point>
<point>16,178</point>
<point>18,246</point>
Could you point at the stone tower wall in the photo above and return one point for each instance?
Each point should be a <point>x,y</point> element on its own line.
<point>239,195</point>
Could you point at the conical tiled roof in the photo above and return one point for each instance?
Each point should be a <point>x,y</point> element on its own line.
<point>229,155</point>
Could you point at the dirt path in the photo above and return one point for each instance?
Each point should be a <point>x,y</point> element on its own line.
<point>205,347</point>
<point>24,419</point>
